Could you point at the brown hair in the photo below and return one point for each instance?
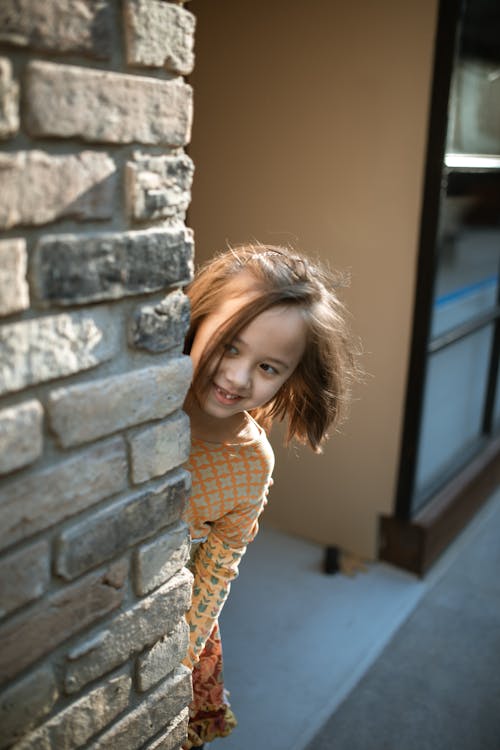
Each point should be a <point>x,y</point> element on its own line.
<point>316,395</point>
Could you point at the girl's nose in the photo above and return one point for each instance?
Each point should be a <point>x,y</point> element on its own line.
<point>238,374</point>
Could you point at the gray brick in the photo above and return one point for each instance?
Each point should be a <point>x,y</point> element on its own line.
<point>85,412</point>
<point>24,576</point>
<point>25,703</point>
<point>38,187</point>
<point>163,657</point>
<point>75,269</point>
<point>9,98</point>
<point>161,327</point>
<point>20,435</point>
<point>159,34</point>
<point>158,448</point>
<point>14,291</point>
<point>110,531</point>
<point>42,499</point>
<point>41,349</point>
<point>101,106</point>
<point>160,559</point>
<point>174,736</point>
<point>153,715</point>
<point>48,623</point>
<point>83,719</point>
<point>130,632</point>
<point>78,26</point>
<point>159,187</point>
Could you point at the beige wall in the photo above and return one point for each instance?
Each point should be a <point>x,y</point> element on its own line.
<point>310,128</point>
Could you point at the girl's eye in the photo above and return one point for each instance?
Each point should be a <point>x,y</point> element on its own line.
<point>230,349</point>
<point>269,369</point>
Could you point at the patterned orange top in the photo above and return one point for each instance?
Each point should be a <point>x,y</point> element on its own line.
<point>229,492</point>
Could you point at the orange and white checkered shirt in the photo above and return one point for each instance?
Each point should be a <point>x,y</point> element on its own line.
<point>229,492</point>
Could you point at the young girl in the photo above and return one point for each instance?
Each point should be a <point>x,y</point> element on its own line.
<point>268,340</point>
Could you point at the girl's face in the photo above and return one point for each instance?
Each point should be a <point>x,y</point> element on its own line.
<point>256,363</point>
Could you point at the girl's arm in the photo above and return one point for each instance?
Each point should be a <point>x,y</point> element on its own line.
<point>215,566</point>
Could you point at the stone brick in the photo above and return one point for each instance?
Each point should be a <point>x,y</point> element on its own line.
<point>9,97</point>
<point>81,720</point>
<point>174,736</point>
<point>159,187</point>
<point>129,633</point>
<point>25,703</point>
<point>161,327</point>
<point>159,34</point>
<point>85,412</point>
<point>158,448</point>
<point>72,269</point>
<point>24,576</point>
<point>163,657</point>
<point>40,349</point>
<point>160,559</point>
<point>40,500</point>
<point>117,572</point>
<point>39,629</point>
<point>20,435</point>
<point>78,26</point>
<point>14,292</point>
<point>106,107</point>
<point>113,530</point>
<point>151,716</point>
<point>37,187</point>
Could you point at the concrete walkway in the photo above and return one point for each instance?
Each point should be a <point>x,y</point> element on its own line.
<point>297,641</point>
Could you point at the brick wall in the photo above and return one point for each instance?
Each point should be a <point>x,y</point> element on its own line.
<point>94,252</point>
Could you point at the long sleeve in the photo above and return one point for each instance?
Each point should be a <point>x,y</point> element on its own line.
<point>214,566</point>
<point>229,494</point>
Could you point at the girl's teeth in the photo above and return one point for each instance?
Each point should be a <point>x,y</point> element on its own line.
<point>226,394</point>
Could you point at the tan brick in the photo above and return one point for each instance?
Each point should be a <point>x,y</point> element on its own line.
<point>79,26</point>
<point>154,714</point>
<point>25,703</point>
<point>129,633</point>
<point>24,576</point>
<point>40,628</point>
<point>118,527</point>
<point>85,412</point>
<point>161,327</point>
<point>174,736</point>
<point>159,187</point>
<point>9,98</point>
<point>37,187</point>
<point>160,559</point>
<point>70,269</point>
<point>160,447</point>
<point>21,437</point>
<point>154,665</point>
<point>81,720</point>
<point>14,292</point>
<point>106,107</point>
<point>159,34</point>
<point>40,500</point>
<point>41,349</point>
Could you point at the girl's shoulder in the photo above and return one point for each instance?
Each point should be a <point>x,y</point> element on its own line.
<point>251,442</point>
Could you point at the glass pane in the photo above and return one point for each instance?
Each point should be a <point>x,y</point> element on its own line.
<point>453,407</point>
<point>474,124</point>
<point>467,277</point>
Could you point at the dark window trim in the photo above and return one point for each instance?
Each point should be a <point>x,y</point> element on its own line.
<point>489,405</point>
<point>434,183</point>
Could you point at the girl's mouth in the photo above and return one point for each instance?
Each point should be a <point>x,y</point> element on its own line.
<point>224,396</point>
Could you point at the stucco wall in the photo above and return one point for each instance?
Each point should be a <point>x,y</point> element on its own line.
<point>310,129</point>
